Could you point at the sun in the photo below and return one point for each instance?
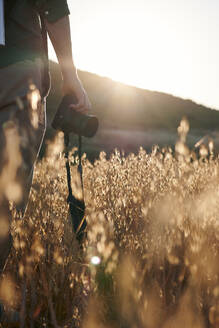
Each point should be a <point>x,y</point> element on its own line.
<point>130,48</point>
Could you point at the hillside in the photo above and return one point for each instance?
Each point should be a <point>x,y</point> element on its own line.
<point>130,117</point>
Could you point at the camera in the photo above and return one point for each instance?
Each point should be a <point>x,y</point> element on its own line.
<point>69,120</point>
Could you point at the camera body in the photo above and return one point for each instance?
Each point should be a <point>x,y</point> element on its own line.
<point>69,120</point>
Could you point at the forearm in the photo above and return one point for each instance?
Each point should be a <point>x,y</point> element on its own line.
<point>60,36</point>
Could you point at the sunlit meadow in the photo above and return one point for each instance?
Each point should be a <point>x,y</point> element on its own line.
<point>151,254</point>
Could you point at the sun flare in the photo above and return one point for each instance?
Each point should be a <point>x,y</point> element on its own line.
<point>157,45</point>
<point>126,50</point>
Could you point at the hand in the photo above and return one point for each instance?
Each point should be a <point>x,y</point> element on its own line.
<point>72,84</point>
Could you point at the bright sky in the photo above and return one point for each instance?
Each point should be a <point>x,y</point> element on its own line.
<point>164,45</point>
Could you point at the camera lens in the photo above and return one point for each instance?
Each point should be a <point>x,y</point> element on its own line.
<point>90,127</point>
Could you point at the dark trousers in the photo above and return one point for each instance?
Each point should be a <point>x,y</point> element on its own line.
<point>22,128</point>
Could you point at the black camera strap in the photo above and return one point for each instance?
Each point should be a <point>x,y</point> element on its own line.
<point>76,206</point>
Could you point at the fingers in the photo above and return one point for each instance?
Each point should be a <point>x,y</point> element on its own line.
<point>88,105</point>
<point>83,106</point>
<point>79,105</point>
<point>74,85</point>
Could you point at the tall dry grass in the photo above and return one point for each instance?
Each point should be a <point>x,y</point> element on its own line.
<point>151,256</point>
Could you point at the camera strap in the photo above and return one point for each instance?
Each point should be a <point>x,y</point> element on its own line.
<point>76,206</point>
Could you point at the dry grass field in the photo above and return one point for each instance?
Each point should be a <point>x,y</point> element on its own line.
<point>151,256</point>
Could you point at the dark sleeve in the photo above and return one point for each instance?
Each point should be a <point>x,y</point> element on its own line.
<point>53,10</point>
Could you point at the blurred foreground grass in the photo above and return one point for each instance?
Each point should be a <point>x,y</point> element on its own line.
<point>151,257</point>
